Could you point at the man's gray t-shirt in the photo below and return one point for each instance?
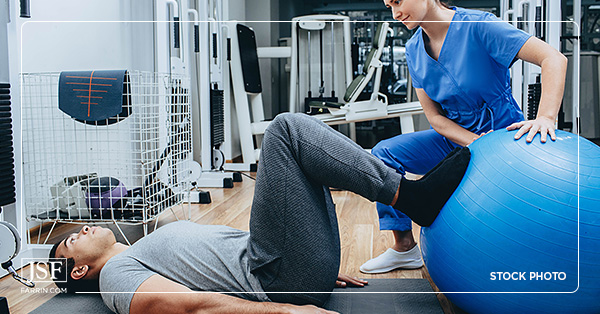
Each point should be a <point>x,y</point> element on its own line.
<point>200,257</point>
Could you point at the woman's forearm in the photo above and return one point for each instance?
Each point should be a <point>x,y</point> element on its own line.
<point>452,131</point>
<point>442,124</point>
<point>554,70</point>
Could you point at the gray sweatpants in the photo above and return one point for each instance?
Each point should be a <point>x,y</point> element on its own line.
<point>294,240</point>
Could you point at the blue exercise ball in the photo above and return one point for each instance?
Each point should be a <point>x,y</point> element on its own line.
<point>524,219</point>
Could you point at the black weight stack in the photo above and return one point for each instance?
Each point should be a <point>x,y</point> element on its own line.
<point>534,93</point>
<point>7,162</point>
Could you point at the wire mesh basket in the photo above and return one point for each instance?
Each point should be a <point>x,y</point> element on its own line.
<point>126,168</point>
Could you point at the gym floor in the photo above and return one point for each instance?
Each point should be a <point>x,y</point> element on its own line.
<point>359,232</point>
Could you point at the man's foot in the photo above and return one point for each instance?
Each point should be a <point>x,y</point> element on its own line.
<point>392,259</point>
<point>434,169</point>
<point>422,200</point>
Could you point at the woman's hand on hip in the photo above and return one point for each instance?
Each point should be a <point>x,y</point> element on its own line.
<point>541,124</point>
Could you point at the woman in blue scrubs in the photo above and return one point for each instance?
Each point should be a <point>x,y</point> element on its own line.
<point>459,62</point>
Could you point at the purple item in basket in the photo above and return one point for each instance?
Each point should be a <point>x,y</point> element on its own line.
<point>104,192</point>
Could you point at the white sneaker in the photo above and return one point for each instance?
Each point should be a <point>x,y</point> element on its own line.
<point>392,259</point>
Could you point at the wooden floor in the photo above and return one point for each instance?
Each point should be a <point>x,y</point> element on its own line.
<point>359,232</point>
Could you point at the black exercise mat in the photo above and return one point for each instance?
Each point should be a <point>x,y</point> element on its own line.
<point>365,301</point>
<point>357,302</point>
<point>79,303</point>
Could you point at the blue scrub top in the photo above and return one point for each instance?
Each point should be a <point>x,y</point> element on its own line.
<point>471,78</point>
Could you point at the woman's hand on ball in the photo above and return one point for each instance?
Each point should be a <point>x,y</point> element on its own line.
<point>543,125</point>
<point>479,136</point>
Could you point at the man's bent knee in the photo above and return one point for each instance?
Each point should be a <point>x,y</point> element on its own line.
<point>281,121</point>
<point>381,150</point>
<point>291,117</point>
<point>286,120</point>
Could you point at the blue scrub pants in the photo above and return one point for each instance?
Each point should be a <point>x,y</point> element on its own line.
<point>416,153</point>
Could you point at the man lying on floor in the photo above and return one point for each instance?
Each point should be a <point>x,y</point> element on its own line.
<point>293,244</point>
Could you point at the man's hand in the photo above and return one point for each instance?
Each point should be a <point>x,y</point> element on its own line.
<point>344,281</point>
<point>306,309</point>
<point>541,124</point>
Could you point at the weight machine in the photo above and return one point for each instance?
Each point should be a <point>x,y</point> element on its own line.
<point>542,19</point>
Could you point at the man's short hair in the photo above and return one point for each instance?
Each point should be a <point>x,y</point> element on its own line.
<point>64,269</point>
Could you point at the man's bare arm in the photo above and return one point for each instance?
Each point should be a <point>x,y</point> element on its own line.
<point>151,298</point>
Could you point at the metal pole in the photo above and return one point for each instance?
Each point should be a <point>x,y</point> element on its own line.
<point>576,63</point>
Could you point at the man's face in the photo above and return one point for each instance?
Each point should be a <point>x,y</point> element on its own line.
<point>86,246</point>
